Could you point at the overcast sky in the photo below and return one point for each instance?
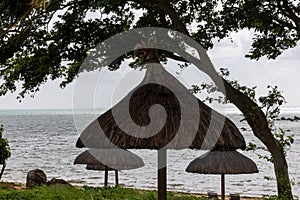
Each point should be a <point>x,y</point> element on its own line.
<point>283,72</point>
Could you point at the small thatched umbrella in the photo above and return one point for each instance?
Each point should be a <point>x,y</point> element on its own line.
<point>136,122</point>
<point>109,159</point>
<point>222,162</point>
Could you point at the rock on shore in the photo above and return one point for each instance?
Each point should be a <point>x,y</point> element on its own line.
<point>35,177</point>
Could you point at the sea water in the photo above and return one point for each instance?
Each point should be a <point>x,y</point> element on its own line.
<point>45,139</point>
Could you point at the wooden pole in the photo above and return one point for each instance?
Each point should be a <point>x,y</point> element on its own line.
<point>223,186</point>
<point>106,176</point>
<point>117,177</point>
<point>162,174</point>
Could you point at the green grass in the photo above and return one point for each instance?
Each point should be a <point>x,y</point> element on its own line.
<point>86,193</point>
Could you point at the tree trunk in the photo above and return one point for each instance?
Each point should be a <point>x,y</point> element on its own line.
<point>2,170</point>
<point>259,125</point>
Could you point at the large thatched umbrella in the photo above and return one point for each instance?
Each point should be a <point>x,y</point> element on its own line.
<point>123,125</point>
<point>109,159</point>
<point>222,162</point>
<point>184,122</point>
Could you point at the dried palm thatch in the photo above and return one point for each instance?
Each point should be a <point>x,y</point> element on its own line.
<point>184,122</point>
<point>117,159</point>
<point>222,162</point>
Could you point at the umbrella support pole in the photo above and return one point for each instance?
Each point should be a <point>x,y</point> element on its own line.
<point>117,177</point>
<point>223,186</point>
<point>162,174</point>
<point>105,176</point>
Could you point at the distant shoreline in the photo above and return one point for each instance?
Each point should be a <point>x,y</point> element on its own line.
<point>283,108</point>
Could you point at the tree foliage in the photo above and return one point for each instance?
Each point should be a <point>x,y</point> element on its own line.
<point>276,24</point>
<point>271,105</point>
<point>4,150</point>
<point>41,42</point>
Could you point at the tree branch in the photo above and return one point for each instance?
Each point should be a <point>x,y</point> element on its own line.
<point>288,12</point>
<point>162,18</point>
<point>173,56</point>
<point>8,29</point>
<point>285,23</point>
<point>169,10</point>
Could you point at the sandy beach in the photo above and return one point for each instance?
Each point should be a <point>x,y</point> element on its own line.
<point>22,186</point>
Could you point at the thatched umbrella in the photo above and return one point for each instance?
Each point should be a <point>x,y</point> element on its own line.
<point>222,162</point>
<point>109,159</point>
<point>136,122</point>
<point>184,121</point>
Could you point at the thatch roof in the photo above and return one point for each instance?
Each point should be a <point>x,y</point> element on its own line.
<point>118,159</point>
<point>222,162</point>
<point>183,122</point>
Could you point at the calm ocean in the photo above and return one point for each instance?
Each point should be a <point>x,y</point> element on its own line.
<point>46,139</point>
